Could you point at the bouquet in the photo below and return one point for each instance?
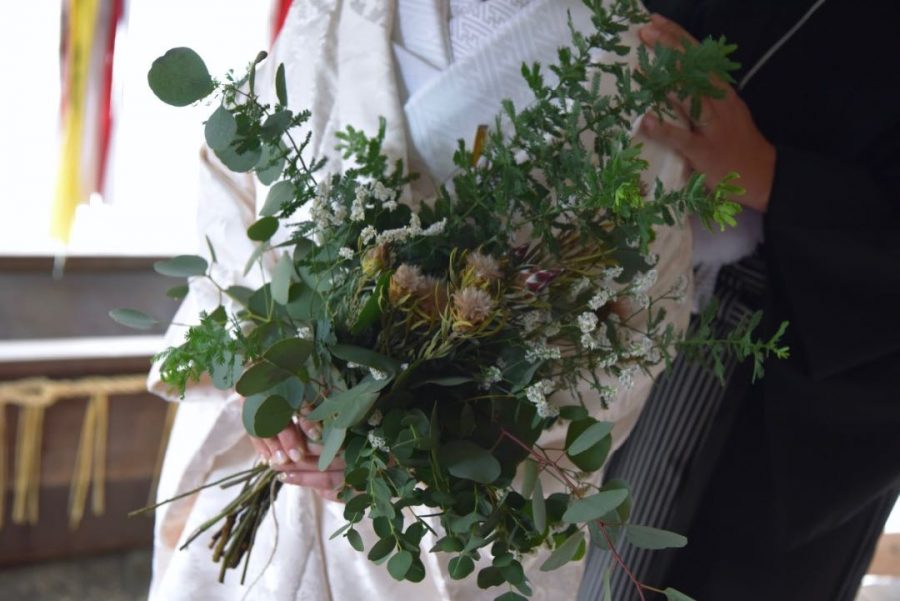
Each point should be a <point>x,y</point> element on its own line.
<point>436,344</point>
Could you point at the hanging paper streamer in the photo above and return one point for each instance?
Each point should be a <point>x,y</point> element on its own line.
<point>280,10</point>
<point>89,30</point>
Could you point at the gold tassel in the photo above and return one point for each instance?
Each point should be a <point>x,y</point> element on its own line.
<point>81,475</point>
<point>28,465</point>
<point>2,464</point>
<point>171,412</point>
<point>98,498</point>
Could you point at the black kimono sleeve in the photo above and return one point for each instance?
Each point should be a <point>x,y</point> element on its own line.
<point>833,244</point>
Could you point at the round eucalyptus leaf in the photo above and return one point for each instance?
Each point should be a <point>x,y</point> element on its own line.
<point>276,124</point>
<point>260,377</point>
<point>263,229</point>
<point>180,77</point>
<point>271,164</point>
<point>281,85</point>
<point>279,194</point>
<point>182,266</point>
<point>266,416</point>
<point>465,459</point>
<point>133,319</point>
<point>177,292</point>
<point>460,567</point>
<point>399,564</point>
<point>220,129</point>
<point>239,162</point>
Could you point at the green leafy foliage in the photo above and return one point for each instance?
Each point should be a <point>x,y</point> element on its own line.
<point>182,266</point>
<point>133,318</point>
<point>180,77</point>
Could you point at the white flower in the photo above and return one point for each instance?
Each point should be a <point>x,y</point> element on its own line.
<point>435,228</point>
<point>642,300</point>
<point>587,322</point>
<point>491,376</point>
<point>626,376</point>
<point>346,253</point>
<point>380,192</point>
<point>651,259</point>
<point>376,441</point>
<point>578,286</point>
<point>377,374</point>
<point>644,281</point>
<point>539,351</point>
<point>600,298</point>
<point>367,234</point>
<point>537,396</point>
<point>532,320</point>
<point>520,156</point>
<point>552,330</point>
<point>375,418</point>
<point>390,205</point>
<point>608,393</point>
<point>611,273</point>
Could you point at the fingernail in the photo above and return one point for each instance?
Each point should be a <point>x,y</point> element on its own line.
<point>315,432</point>
<point>295,455</point>
<point>280,458</point>
<point>282,476</point>
<point>649,34</point>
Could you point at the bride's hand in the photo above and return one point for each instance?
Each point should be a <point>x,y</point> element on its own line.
<point>295,453</point>
<point>723,139</point>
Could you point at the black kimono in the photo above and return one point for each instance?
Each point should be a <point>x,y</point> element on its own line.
<point>787,493</point>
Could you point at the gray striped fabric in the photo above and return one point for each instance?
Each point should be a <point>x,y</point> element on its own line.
<point>656,459</point>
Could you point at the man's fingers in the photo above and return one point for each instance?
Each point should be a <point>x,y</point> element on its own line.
<point>293,443</point>
<point>677,138</point>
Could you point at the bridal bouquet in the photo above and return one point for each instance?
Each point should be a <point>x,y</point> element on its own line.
<point>436,341</point>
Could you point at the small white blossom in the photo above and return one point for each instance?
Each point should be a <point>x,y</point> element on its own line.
<point>587,322</point>
<point>491,376</point>
<point>552,330</point>
<point>375,419</point>
<point>346,253</point>
<point>532,320</point>
<point>641,299</point>
<point>651,259</point>
<point>611,273</point>
<point>600,298</point>
<point>644,281</point>
<point>390,205</point>
<point>352,365</point>
<point>377,374</point>
<point>608,393</point>
<point>539,351</point>
<point>436,228</point>
<point>380,192</point>
<point>626,376</point>
<point>537,396</point>
<point>578,286</point>
<point>520,156</point>
<point>376,441</point>
<point>367,234</point>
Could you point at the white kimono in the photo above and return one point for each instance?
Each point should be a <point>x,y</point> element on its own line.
<point>341,65</point>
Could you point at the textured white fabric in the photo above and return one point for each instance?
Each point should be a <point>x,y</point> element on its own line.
<point>340,63</point>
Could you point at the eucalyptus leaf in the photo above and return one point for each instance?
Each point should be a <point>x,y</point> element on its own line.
<point>465,459</point>
<point>280,193</point>
<point>529,477</point>
<point>271,164</point>
<point>239,162</point>
<point>276,124</point>
<point>260,377</point>
<point>182,266</point>
<point>538,507</point>
<point>281,279</point>
<point>589,437</point>
<point>290,354</point>
<point>263,229</point>
<point>180,77</point>
<point>645,537</point>
<point>460,566</point>
<point>399,564</point>
<point>334,438</point>
<point>595,506</point>
<point>220,129</point>
<point>674,595</point>
<point>281,85</point>
<point>266,416</point>
<point>564,553</point>
<point>355,540</point>
<point>133,318</point>
<point>177,292</point>
<point>595,456</point>
<point>366,357</point>
<point>511,596</point>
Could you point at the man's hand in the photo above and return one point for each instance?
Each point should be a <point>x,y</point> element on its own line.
<point>723,139</point>
<point>295,453</point>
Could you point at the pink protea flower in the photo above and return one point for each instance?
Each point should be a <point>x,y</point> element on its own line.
<point>471,307</point>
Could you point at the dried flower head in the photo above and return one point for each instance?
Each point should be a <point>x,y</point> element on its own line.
<point>432,296</point>
<point>405,282</point>
<point>376,260</point>
<point>471,307</point>
<point>485,268</point>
